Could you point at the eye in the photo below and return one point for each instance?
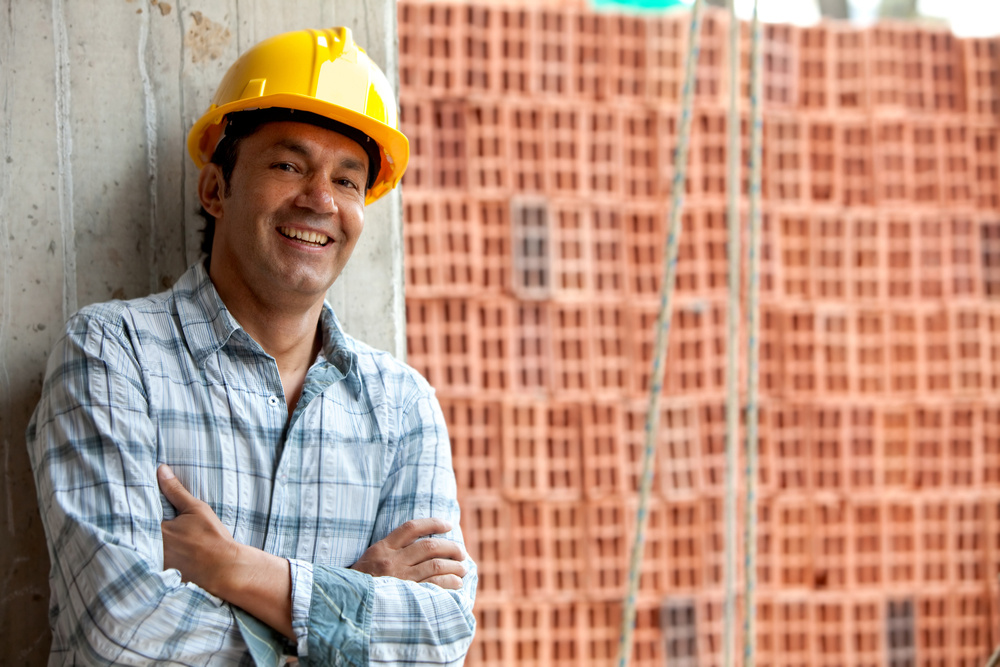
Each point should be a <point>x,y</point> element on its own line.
<point>347,183</point>
<point>284,166</point>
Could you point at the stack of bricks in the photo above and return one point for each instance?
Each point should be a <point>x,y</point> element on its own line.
<point>535,203</point>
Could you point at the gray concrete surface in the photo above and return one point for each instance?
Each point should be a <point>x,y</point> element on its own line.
<point>97,201</point>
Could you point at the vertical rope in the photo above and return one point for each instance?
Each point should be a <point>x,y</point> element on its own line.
<point>662,332</point>
<point>732,337</point>
<point>753,353</point>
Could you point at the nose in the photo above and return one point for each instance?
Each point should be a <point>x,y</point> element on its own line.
<point>317,195</point>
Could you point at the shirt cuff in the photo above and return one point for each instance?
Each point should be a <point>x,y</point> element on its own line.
<point>302,584</point>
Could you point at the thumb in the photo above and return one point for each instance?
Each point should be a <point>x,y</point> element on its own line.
<point>174,490</point>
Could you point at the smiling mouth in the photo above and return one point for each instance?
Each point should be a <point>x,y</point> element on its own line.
<point>309,238</point>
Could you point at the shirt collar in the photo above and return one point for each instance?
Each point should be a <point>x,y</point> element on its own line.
<point>208,325</point>
<point>338,349</point>
<point>204,318</point>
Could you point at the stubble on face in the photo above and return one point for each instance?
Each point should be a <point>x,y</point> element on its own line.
<point>290,216</point>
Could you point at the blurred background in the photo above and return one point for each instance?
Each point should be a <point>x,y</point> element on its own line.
<point>534,222</point>
<point>966,18</point>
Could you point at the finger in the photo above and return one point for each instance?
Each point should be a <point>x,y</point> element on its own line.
<point>174,490</point>
<point>434,569</point>
<point>447,581</point>
<point>430,549</point>
<point>413,529</point>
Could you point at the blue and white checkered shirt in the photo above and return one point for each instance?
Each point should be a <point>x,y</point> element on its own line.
<point>172,378</point>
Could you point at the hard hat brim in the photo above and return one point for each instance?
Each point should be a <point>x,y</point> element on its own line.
<point>393,144</point>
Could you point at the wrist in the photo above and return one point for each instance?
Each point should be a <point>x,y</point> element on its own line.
<point>259,583</point>
<point>250,571</point>
<point>229,568</point>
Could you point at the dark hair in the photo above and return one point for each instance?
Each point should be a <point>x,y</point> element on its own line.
<point>225,156</point>
<point>242,124</point>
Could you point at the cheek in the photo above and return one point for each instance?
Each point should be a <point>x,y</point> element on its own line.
<point>354,224</point>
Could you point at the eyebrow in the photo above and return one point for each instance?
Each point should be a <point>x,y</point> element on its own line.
<point>350,163</point>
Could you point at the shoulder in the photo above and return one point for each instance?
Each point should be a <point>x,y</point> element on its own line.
<point>396,378</point>
<point>126,331</point>
<point>97,361</point>
<point>153,311</point>
<point>406,404</point>
<point>124,318</point>
<point>110,315</point>
<point>374,363</point>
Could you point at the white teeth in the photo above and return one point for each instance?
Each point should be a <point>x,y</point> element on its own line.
<point>308,237</point>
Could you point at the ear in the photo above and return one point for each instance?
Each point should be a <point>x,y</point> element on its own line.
<point>211,188</point>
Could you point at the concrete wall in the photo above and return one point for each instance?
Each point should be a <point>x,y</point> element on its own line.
<point>97,201</point>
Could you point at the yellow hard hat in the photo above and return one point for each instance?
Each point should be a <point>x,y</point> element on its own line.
<point>319,71</point>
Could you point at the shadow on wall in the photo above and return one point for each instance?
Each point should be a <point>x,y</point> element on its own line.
<point>24,593</point>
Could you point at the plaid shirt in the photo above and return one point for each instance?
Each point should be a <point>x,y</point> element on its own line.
<point>172,378</point>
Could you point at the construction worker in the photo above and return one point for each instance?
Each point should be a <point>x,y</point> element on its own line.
<point>223,473</point>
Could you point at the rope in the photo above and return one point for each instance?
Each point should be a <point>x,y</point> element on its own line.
<point>662,332</point>
<point>732,337</point>
<point>753,353</point>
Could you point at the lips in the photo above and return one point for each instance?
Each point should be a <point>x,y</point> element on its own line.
<point>310,238</point>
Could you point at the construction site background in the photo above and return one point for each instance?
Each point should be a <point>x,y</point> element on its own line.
<point>534,224</point>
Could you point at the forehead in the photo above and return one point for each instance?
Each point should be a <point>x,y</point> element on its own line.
<point>310,140</point>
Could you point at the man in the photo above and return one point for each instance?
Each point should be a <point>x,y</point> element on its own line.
<point>300,470</point>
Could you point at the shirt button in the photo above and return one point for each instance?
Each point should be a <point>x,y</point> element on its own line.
<point>272,401</point>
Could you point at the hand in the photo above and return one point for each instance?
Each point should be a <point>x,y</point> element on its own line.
<point>198,544</point>
<point>404,556</point>
<point>195,542</point>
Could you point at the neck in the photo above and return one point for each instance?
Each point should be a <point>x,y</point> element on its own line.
<point>288,330</point>
<point>293,339</point>
<point>288,337</point>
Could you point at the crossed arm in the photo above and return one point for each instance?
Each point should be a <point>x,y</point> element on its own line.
<point>117,601</point>
<point>197,544</point>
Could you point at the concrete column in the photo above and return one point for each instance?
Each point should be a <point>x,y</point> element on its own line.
<point>97,201</point>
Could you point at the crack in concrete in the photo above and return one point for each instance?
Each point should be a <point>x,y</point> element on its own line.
<point>64,142</point>
<point>149,100</point>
